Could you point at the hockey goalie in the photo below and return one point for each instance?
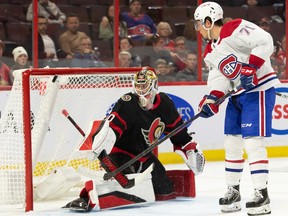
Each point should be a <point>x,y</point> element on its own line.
<point>136,121</point>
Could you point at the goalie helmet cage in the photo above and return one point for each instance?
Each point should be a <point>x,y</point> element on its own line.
<point>35,137</point>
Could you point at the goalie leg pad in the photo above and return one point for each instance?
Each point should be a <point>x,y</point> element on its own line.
<point>112,195</point>
<point>184,182</point>
<point>57,183</point>
<point>109,194</point>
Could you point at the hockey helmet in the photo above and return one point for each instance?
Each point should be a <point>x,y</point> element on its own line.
<point>145,85</point>
<point>208,9</point>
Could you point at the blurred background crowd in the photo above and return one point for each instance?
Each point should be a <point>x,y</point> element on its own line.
<point>156,33</point>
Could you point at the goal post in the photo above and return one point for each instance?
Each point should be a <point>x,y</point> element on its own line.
<point>36,139</point>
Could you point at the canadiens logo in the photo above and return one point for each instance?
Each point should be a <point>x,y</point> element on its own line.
<point>230,67</point>
<point>155,131</point>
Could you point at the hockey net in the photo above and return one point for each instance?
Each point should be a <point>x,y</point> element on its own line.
<point>36,138</point>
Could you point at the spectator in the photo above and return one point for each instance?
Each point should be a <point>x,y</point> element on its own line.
<point>86,57</point>
<point>140,25</point>
<point>163,71</point>
<point>106,27</point>
<point>48,48</point>
<point>164,31</point>
<point>124,59</point>
<point>264,23</point>
<point>21,61</point>
<point>47,9</point>
<point>155,50</point>
<point>281,58</point>
<point>253,3</point>
<point>227,19</point>
<point>4,69</point>
<point>126,45</point>
<point>190,35</point>
<point>190,71</point>
<point>179,56</point>
<point>70,40</point>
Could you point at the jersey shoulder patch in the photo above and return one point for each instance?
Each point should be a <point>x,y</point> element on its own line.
<point>126,97</point>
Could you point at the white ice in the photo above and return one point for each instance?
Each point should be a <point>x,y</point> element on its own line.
<point>210,185</point>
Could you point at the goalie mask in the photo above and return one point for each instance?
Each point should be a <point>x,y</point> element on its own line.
<point>145,85</point>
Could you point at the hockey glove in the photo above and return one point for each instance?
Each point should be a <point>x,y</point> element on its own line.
<point>248,76</point>
<point>193,157</point>
<point>207,106</point>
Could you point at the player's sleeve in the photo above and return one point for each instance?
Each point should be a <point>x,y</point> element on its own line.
<point>121,117</point>
<point>258,40</point>
<point>217,82</point>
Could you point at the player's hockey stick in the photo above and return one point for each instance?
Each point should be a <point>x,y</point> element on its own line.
<point>109,175</point>
<point>109,165</point>
<point>281,95</point>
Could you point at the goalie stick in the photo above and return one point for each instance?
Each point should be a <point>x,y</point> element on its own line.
<point>109,175</point>
<point>109,165</point>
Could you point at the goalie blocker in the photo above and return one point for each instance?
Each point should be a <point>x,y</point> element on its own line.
<point>109,194</point>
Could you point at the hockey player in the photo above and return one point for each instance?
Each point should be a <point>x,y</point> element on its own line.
<point>136,121</point>
<point>239,52</point>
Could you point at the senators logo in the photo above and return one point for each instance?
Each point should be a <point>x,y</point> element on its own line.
<point>230,67</point>
<point>155,131</point>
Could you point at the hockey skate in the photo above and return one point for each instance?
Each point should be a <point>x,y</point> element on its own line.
<point>231,200</point>
<point>260,203</point>
<point>78,205</point>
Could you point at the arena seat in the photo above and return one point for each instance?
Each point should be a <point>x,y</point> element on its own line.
<point>175,14</point>
<point>81,11</point>
<point>55,30</point>
<point>254,14</point>
<point>81,2</point>
<point>85,27</point>
<point>277,30</point>
<point>155,12</point>
<point>12,12</point>
<point>59,2</point>
<point>235,12</point>
<point>95,31</point>
<point>2,32</point>
<point>105,2</point>
<point>97,12</point>
<point>105,49</point>
<point>172,3</point>
<point>13,29</point>
<point>17,1</point>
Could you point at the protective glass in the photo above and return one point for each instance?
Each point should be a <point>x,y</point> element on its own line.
<point>197,25</point>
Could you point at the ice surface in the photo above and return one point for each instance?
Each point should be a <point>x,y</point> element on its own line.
<point>210,185</point>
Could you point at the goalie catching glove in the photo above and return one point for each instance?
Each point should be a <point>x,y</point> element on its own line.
<point>193,156</point>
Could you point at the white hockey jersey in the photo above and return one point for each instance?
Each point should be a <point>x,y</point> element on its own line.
<point>239,42</point>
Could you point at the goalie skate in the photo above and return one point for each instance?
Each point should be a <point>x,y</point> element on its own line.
<point>78,205</point>
<point>231,200</point>
<point>260,203</point>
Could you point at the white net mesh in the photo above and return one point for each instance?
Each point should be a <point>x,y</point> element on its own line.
<point>55,140</point>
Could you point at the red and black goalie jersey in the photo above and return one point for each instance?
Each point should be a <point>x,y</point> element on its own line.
<point>136,128</point>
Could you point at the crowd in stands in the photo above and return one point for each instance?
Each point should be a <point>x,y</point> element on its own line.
<point>147,36</point>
